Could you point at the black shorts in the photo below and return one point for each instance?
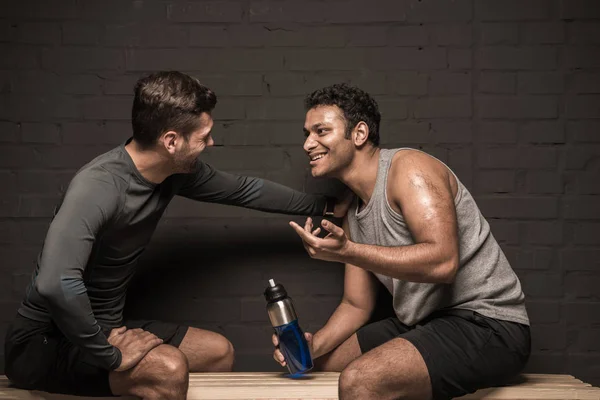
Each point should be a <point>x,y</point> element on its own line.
<point>39,357</point>
<point>464,351</point>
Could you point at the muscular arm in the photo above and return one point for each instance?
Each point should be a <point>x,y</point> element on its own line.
<point>87,206</point>
<point>421,188</point>
<point>353,312</point>
<point>215,186</point>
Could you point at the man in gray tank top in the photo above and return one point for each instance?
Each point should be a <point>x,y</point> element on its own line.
<point>460,322</point>
<point>69,335</point>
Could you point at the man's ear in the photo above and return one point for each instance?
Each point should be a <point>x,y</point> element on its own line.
<point>168,140</point>
<point>360,134</point>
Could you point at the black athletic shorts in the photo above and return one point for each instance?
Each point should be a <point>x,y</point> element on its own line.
<point>39,357</point>
<point>464,351</point>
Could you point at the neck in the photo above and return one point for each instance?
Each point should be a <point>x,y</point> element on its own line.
<point>361,174</point>
<point>150,163</point>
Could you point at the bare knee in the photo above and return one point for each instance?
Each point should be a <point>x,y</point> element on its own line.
<point>352,383</point>
<point>223,355</point>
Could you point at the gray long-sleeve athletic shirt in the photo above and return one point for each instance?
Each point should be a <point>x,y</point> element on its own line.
<point>100,229</point>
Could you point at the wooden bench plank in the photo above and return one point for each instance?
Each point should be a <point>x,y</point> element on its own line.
<point>324,385</point>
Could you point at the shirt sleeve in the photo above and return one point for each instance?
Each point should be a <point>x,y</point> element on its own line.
<point>87,206</point>
<point>211,185</point>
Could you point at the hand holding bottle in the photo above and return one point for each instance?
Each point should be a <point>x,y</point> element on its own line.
<point>278,355</point>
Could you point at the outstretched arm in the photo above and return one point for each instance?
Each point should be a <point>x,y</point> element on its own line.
<point>211,185</point>
<point>421,189</point>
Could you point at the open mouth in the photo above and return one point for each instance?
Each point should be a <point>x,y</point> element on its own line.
<point>314,158</point>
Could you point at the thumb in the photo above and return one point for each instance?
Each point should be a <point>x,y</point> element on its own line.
<point>308,336</point>
<point>332,228</point>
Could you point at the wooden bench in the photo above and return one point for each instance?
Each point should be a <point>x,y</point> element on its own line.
<point>323,385</point>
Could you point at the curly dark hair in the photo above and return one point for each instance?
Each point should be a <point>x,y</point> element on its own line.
<point>168,100</point>
<point>356,104</point>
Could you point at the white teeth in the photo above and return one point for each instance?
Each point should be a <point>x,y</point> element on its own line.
<point>317,157</point>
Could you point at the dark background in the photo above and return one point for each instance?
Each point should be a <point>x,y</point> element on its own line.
<point>506,92</point>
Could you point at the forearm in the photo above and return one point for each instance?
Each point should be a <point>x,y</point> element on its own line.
<point>344,322</point>
<point>421,262</point>
<point>274,197</point>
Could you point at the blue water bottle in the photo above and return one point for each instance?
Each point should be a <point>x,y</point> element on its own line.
<point>292,342</point>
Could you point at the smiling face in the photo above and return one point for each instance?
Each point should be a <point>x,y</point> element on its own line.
<point>187,151</point>
<point>326,144</point>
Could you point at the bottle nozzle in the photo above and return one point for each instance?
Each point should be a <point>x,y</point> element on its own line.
<point>271,283</point>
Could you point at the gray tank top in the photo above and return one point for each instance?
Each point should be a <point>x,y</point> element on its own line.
<point>484,283</point>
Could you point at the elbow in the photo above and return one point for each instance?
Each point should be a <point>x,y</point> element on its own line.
<point>447,271</point>
<point>47,290</point>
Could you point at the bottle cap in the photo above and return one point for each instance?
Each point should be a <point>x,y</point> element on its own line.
<point>275,292</point>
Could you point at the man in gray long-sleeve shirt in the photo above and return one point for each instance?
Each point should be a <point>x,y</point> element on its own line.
<point>69,335</point>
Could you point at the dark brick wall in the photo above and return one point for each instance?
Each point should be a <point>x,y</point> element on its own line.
<point>506,92</point>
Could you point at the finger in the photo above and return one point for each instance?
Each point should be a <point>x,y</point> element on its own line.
<point>316,231</point>
<point>335,230</point>
<point>275,340</point>
<point>306,236</point>
<point>308,336</point>
<point>278,355</point>
<point>308,225</point>
<point>117,331</point>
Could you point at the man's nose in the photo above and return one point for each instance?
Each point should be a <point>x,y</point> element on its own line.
<point>309,143</point>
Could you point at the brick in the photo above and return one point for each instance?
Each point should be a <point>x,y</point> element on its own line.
<point>9,206</point>
<point>451,34</point>
<point>391,109</point>
<point>210,60</point>
<point>80,84</point>
<point>522,107</point>
<point>47,33</point>
<point>545,363</point>
<point>209,36</point>
<point>543,32</point>
<point>548,337</point>
<point>43,182</point>
<point>584,131</point>
<point>451,132</point>
<point>585,233</point>
<point>246,159</point>
<point>519,207</point>
<point>276,109</point>
<point>585,340</point>
<point>544,233</point>
<point>9,132</point>
<point>450,83</point>
<point>35,81</point>
<point>12,156</point>
<point>532,260</point>
<point>537,157</point>
<point>579,286</point>
<point>69,157</point>
<point>496,132</point>
<point>579,9</point>
<point>41,9</point>
<point>543,132</point>
<point>505,232</point>
<point>576,57</point>
<point>439,11</point>
<point>238,84</point>
<point>323,59</point>
<point>443,107</point>
<point>408,36</point>
<point>231,108</point>
<point>460,58</point>
<point>406,59</point>
<point>82,33</point>
<point>8,179</point>
<point>544,182</point>
<point>37,206</point>
<point>512,10</point>
<point>493,33</point>
<point>460,160</point>
<point>367,36</point>
<point>582,157</point>
<point>587,182</point>
<point>291,11</point>
<point>497,82</point>
<point>374,82</point>
<point>18,56</point>
<point>584,82</point>
<point>85,133</point>
<point>395,133</point>
<point>505,158</point>
<point>584,32</point>
<point>543,285</point>
<point>119,84</point>
<point>40,133</point>
<point>580,259</point>
<point>584,106</point>
<point>122,11</point>
<point>407,83</point>
<point>540,82</point>
<point>581,207</point>
<point>82,59</point>
<point>114,108</point>
<point>134,34</point>
<point>495,182</point>
<point>32,232</point>
<point>255,133</point>
<point>518,58</point>
<point>578,313</point>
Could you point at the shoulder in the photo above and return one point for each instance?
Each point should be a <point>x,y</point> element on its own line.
<point>416,166</point>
